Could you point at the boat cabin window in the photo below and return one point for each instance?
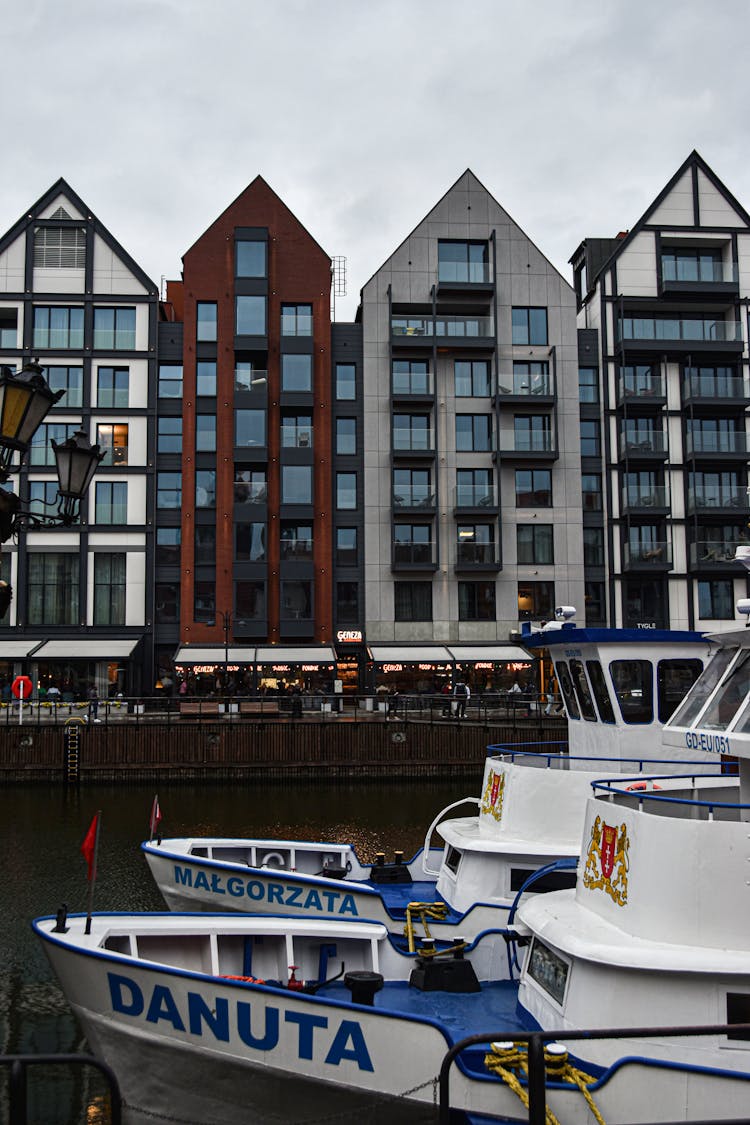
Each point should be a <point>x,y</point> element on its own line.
<point>566,687</point>
<point>686,713</point>
<point>730,696</point>
<point>674,679</point>
<point>552,881</point>
<point>581,685</point>
<point>634,688</point>
<point>738,1011</point>
<point>599,688</point>
<point>548,970</point>
<point>452,858</point>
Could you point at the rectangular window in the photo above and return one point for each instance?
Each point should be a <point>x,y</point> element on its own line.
<point>248,377</point>
<point>536,601</point>
<point>346,382</point>
<point>113,439</point>
<point>112,386</point>
<point>472,378</point>
<point>296,484</point>
<point>250,316</point>
<point>535,543</point>
<point>593,546</point>
<point>412,601</point>
<point>412,431</point>
<point>529,326</point>
<point>114,329</point>
<point>205,378</point>
<point>206,319</point>
<point>59,248</point>
<point>169,490</point>
<point>530,377</point>
<point>474,488</point>
<point>68,379</point>
<point>588,384</point>
<point>476,601</point>
<point>347,603</point>
<point>346,491</point>
<point>249,428</point>
<point>249,258</point>
<point>346,436</point>
<point>205,544</point>
<point>111,502</point>
<point>533,488</point>
<point>590,438</point>
<point>167,602</point>
<point>296,372</point>
<point>204,601</point>
<point>411,377</point>
<point>716,600</point>
<point>168,541</point>
<point>532,433</point>
<point>169,434</point>
<point>8,328</point>
<point>205,488</point>
<point>411,488</point>
<point>594,603</point>
<point>474,433</point>
<point>58,327</point>
<point>463,262</point>
<point>52,588</point>
<point>249,486</point>
<point>109,589</point>
<point>296,600</point>
<point>412,544</point>
<point>296,320</point>
<point>40,450</point>
<point>296,431</point>
<point>591,492</point>
<point>346,546</point>
<point>475,544</point>
<point>249,600</point>
<point>250,542</point>
<point>296,542</point>
<point>43,494</point>
<point>170,380</point>
<point>693,264</point>
<point>205,433</point>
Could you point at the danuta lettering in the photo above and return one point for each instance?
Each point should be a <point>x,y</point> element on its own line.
<point>163,1007</point>
<point>271,1034</point>
<point>216,1019</point>
<point>307,1024</point>
<point>349,1043</point>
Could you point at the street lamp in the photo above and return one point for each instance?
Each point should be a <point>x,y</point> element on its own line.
<point>25,400</point>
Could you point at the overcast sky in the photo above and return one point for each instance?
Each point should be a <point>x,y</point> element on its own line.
<point>361,113</point>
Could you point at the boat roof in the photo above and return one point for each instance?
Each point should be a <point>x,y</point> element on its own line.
<point>554,634</point>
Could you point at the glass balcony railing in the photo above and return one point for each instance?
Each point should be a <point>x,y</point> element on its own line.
<point>699,270</point>
<point>475,554</point>
<point>458,326</point>
<point>474,496</point>
<point>706,441</point>
<point>635,442</point>
<point>656,496</point>
<point>296,550</point>
<point>713,386</point>
<point>407,441</point>
<point>412,554</point>
<point>641,386</point>
<point>527,443</point>
<point>412,383</point>
<point>718,497</point>
<point>708,551</point>
<point>680,329</point>
<point>299,437</point>
<point>466,273</point>
<point>657,553</point>
<point>515,384</point>
<point>413,496</point>
<point>250,492</point>
<point>247,379</point>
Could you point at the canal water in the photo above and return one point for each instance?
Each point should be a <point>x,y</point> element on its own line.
<point>42,830</point>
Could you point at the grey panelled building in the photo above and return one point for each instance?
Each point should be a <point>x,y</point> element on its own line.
<point>472,469</point>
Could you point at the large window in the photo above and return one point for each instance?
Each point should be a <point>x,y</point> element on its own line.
<point>529,326</point>
<point>474,488</point>
<point>590,438</point>
<point>113,439</point>
<point>691,263</point>
<point>206,321</point>
<point>170,380</point>
<point>43,494</point>
<point>111,502</point>
<point>474,433</point>
<point>346,382</point>
<point>463,262</point>
<point>475,544</point>
<point>59,248</point>
<point>250,542</point>
<point>109,589</point>
<point>346,491</point>
<point>588,384</point>
<point>716,600</point>
<point>346,546</point>
<point>593,546</point>
<point>412,544</point>
<point>296,431</point>
<point>8,328</point>
<point>533,488</point>
<point>296,372</point>
<point>530,377</point>
<point>112,386</point>
<point>410,377</point>
<point>58,327</point>
<point>476,601</point>
<point>41,451</point>
<point>296,320</point>
<point>532,433</point>
<point>114,329</point>
<point>296,542</point>
<point>249,486</point>
<point>412,431</point>
<point>411,488</point>
<point>205,378</point>
<point>68,379</point>
<point>249,258</point>
<point>535,543</point>
<point>296,484</point>
<point>472,378</point>
<point>168,542</point>
<point>249,600</point>
<point>536,601</point>
<point>169,434</point>
<point>167,603</point>
<point>347,603</point>
<point>250,316</point>
<point>204,601</point>
<point>169,490</point>
<point>249,427</point>
<point>53,589</point>
<point>205,488</point>
<point>346,436</point>
<point>296,599</point>
<point>591,492</point>
<point>205,433</point>
<point>593,597</point>
<point>205,544</point>
<point>412,601</point>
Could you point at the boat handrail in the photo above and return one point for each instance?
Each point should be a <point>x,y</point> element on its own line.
<point>623,787</point>
<point>426,848</point>
<point>512,753</point>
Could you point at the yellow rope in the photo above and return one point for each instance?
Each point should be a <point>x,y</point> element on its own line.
<point>438,911</point>
<point>504,1059</point>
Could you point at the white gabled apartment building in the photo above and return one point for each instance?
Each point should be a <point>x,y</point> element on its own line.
<point>71,296</point>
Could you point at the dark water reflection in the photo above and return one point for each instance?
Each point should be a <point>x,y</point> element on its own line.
<point>42,829</point>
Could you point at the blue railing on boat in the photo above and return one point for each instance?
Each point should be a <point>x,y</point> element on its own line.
<point>554,755</point>
<point>625,787</point>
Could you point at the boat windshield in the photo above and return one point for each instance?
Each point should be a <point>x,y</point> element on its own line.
<point>695,701</point>
<point>730,697</point>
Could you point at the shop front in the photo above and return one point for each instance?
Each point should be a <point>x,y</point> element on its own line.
<point>249,670</point>
<point>435,669</point>
<point>71,666</point>
<point>351,661</point>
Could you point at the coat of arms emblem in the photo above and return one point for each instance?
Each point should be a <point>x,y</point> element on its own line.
<point>492,798</point>
<point>607,860</point>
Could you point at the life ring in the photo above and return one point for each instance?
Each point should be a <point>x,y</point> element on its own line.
<point>640,786</point>
<point>273,859</point>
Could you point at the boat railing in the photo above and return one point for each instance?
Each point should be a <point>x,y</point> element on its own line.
<point>18,1106</point>
<point>537,1076</point>
<point>554,755</point>
<point>637,791</point>
<point>428,835</point>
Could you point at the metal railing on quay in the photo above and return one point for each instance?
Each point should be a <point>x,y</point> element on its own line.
<point>507,708</point>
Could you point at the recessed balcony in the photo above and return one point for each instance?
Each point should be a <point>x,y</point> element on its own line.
<point>513,387</point>
<point>706,554</point>
<point>699,275</point>
<point>637,388</point>
<point>412,556</point>
<point>637,499</point>
<point>717,500</point>
<point>715,389</point>
<point>413,497</point>
<point>446,330</point>
<point>476,556</point>
<point>654,555</point>
<point>692,334</point>
<point>525,446</point>
<point>645,444</point>
<point>730,445</point>
<point>475,498</point>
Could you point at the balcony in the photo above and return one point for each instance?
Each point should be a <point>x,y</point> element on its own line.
<point>250,381</point>
<point>636,388</point>
<point>410,330</point>
<point>692,334</point>
<point>714,388</point>
<point>656,555</point>
<point>412,556</point>
<point>296,550</point>
<point>525,446</point>
<point>710,553</point>
<point>476,556</point>
<point>250,492</point>
<point>717,500</point>
<point>414,386</point>
<point>296,437</point>
<point>730,445</point>
<point>511,386</point>
<point>459,275</point>
<point>411,444</point>
<point>643,444</point>
<point>700,275</point>
<point>475,497</point>
<point>635,499</point>
<point>414,497</point>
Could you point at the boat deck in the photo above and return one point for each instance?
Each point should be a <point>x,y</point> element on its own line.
<point>397,896</point>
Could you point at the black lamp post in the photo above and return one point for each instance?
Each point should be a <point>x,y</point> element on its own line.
<point>25,400</point>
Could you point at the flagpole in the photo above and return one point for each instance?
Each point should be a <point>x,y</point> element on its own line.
<point>92,882</point>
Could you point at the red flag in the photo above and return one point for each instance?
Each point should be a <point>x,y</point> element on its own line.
<point>88,847</point>
<point>155,818</point>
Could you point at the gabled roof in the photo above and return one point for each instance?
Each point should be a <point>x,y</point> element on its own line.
<point>62,187</point>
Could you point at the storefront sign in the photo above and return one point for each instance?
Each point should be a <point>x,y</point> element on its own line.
<point>349,636</point>
<point>393,667</point>
<point>484,665</point>
<point>206,668</point>
<point>519,666</point>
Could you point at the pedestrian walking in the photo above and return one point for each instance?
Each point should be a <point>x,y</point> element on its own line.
<point>93,704</point>
<point>462,694</point>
